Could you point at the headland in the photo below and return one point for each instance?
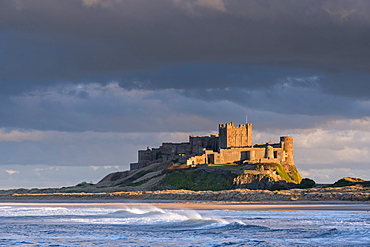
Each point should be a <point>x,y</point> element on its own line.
<point>215,168</point>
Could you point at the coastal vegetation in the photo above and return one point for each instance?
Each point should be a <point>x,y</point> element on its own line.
<point>225,166</point>
<point>167,175</point>
<point>347,193</point>
<point>348,181</point>
<point>198,180</point>
<point>225,182</point>
<point>288,173</point>
<point>196,185</point>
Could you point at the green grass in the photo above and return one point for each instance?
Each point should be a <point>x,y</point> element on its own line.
<point>199,180</point>
<point>282,173</point>
<point>224,166</point>
<point>295,176</point>
<point>292,176</point>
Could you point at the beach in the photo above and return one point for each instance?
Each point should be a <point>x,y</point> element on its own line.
<point>350,198</point>
<point>204,205</point>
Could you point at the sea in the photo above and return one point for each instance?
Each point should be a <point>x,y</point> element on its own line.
<point>147,225</point>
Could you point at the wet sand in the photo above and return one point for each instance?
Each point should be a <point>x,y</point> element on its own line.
<point>240,206</point>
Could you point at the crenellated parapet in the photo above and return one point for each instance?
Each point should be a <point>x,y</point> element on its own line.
<point>233,144</point>
<point>235,136</point>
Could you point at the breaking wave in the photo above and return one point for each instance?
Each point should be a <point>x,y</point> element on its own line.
<point>148,225</point>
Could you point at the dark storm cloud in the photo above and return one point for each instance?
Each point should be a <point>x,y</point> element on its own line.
<point>93,107</point>
<point>285,57</point>
<point>162,42</point>
<point>351,84</point>
<point>99,108</point>
<point>207,76</point>
<point>89,82</point>
<point>287,99</point>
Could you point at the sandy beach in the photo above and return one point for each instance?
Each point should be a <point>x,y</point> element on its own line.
<point>212,205</point>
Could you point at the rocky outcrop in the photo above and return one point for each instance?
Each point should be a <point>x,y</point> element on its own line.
<point>254,182</point>
<point>204,177</point>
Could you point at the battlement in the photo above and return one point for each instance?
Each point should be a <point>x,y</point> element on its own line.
<point>233,144</point>
<point>232,125</point>
<point>235,136</point>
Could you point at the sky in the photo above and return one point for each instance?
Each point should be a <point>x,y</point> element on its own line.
<point>84,84</point>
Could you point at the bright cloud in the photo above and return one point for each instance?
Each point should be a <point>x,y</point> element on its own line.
<point>19,136</point>
<point>11,171</point>
<point>90,2</point>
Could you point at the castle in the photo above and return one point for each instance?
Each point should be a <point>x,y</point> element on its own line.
<point>233,144</point>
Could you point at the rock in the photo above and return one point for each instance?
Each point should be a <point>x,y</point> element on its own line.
<point>166,175</point>
<point>253,182</point>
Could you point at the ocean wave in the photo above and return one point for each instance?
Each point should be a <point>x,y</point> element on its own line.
<point>146,209</point>
<point>151,226</point>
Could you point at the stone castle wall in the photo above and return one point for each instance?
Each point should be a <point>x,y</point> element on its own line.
<point>277,153</point>
<point>235,136</point>
<point>233,144</point>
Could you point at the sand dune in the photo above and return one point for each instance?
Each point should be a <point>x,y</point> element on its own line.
<point>350,193</point>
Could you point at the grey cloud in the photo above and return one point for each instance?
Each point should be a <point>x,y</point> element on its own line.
<point>104,109</point>
<point>92,107</point>
<point>356,85</point>
<point>104,39</point>
<point>250,54</point>
<point>43,176</point>
<point>112,67</point>
<point>57,148</point>
<point>287,98</point>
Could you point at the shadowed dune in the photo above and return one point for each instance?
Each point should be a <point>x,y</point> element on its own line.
<point>349,193</point>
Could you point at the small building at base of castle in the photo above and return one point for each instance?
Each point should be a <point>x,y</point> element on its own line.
<point>233,144</point>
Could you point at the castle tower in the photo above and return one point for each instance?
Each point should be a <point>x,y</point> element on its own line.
<point>235,136</point>
<point>269,152</point>
<point>287,145</point>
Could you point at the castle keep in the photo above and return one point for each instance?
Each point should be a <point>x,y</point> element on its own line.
<point>233,144</point>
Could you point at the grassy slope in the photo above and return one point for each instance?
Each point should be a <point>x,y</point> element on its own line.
<point>191,179</point>
<point>291,175</point>
<point>198,180</point>
<point>225,166</point>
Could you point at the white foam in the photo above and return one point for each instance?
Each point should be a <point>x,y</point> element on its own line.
<point>76,224</point>
<point>143,209</point>
<point>50,211</point>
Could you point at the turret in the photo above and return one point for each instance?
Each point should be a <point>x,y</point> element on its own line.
<point>286,143</point>
<point>269,152</point>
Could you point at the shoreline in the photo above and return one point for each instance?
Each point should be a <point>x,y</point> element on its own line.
<point>335,198</point>
<point>201,205</point>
